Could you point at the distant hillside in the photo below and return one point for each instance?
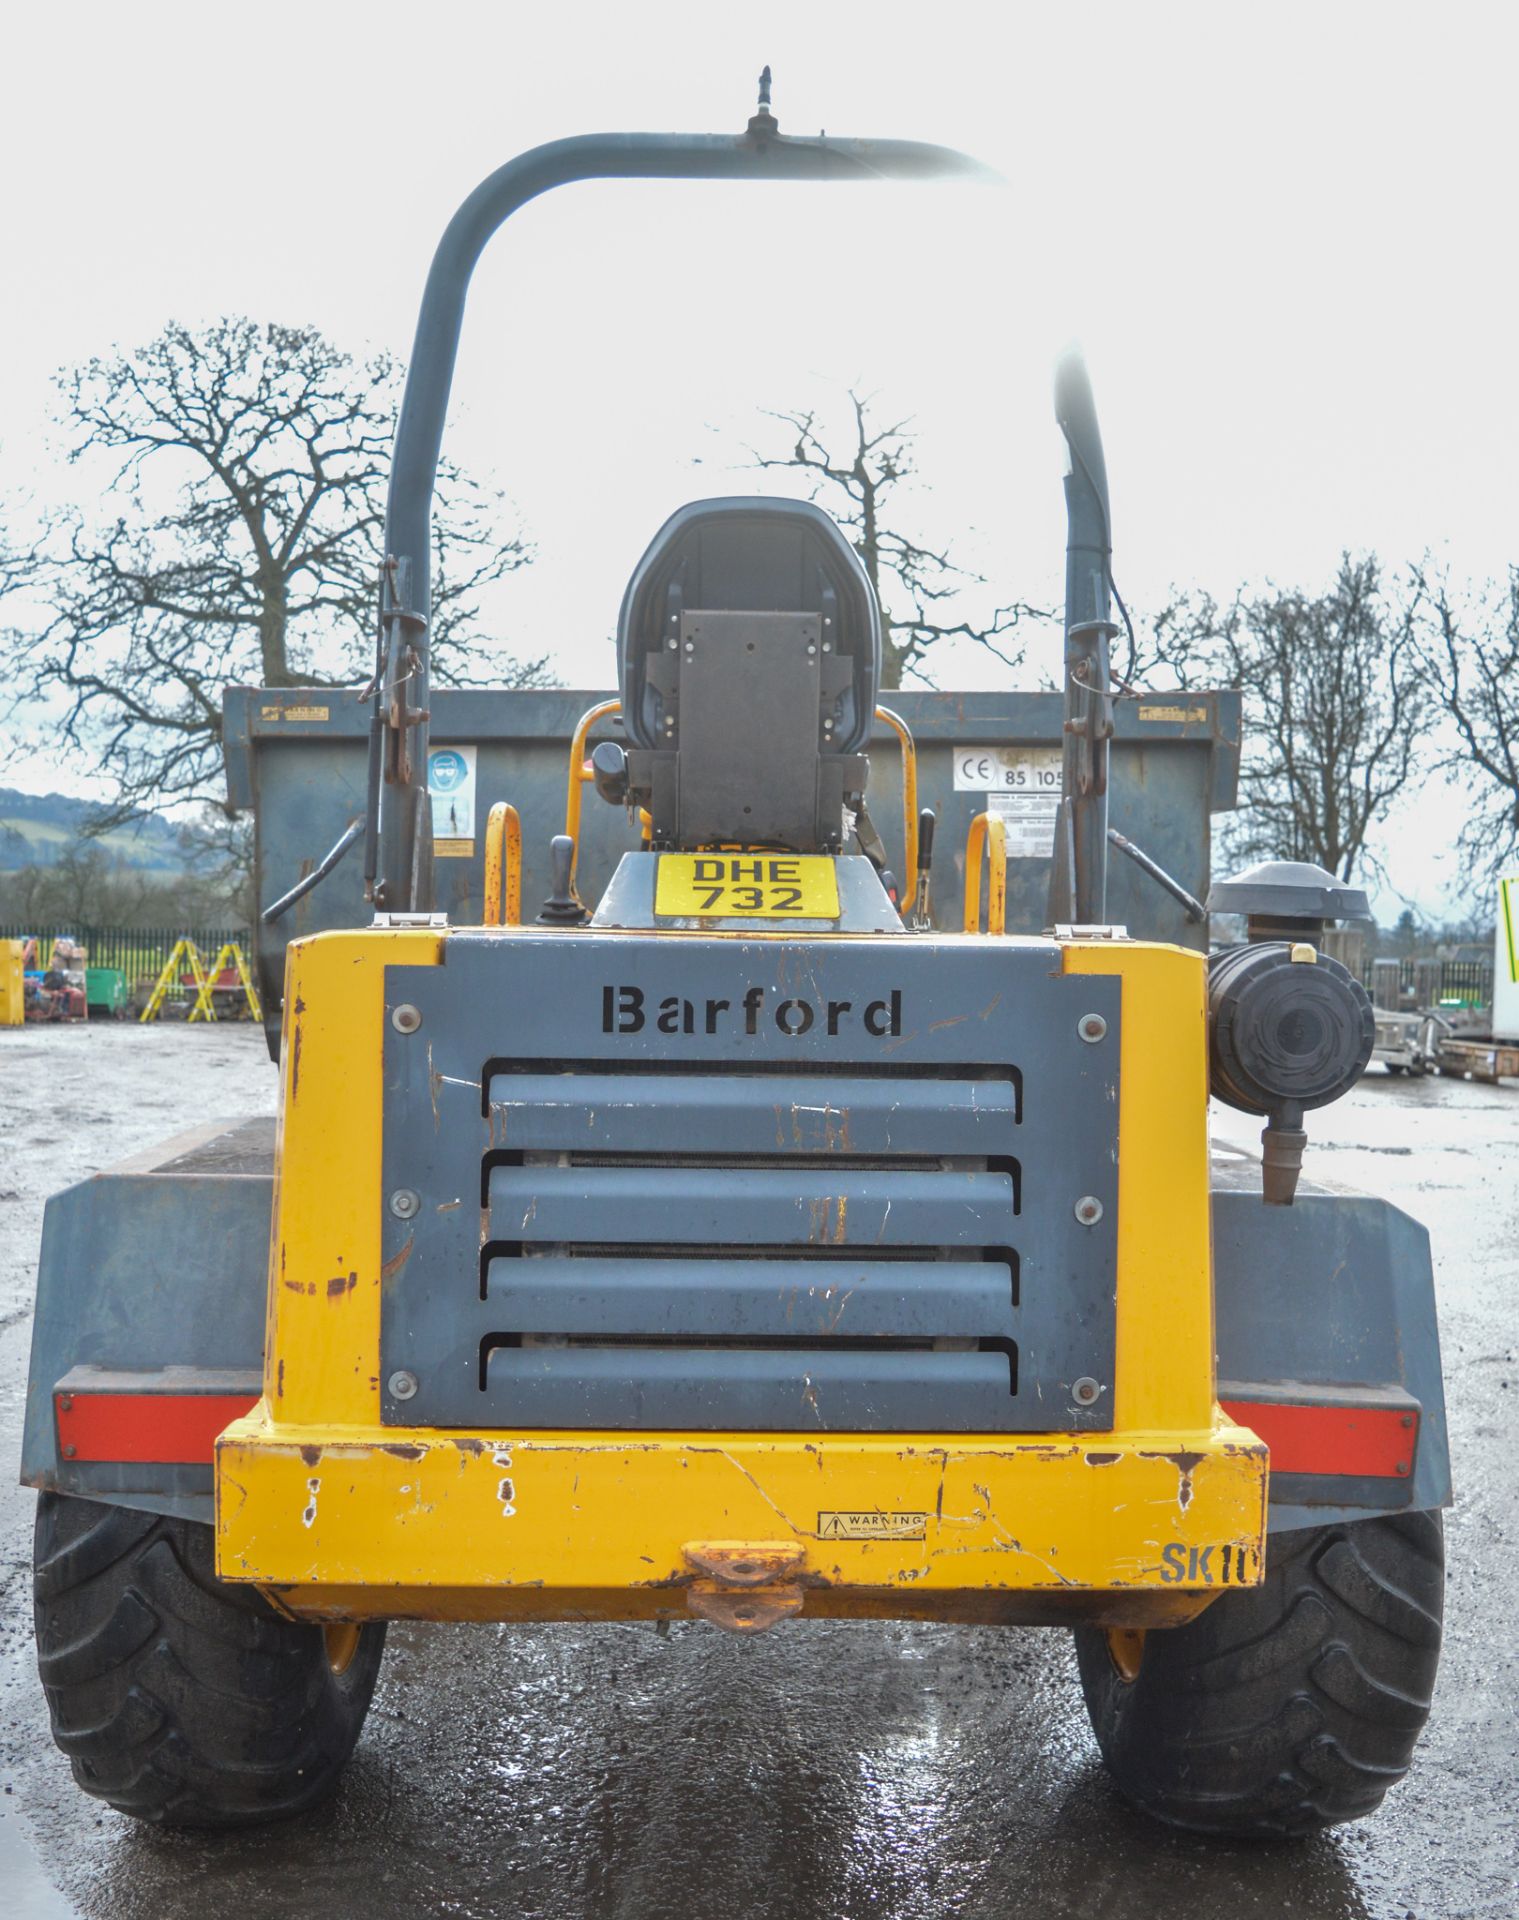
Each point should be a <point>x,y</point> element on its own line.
<point>35,828</point>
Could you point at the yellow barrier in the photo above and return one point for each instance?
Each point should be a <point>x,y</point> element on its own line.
<point>909,801</point>
<point>185,953</point>
<point>987,831</point>
<point>578,778</point>
<point>12,984</point>
<point>231,955</point>
<point>503,867</point>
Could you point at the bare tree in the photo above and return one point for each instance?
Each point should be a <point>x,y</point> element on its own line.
<point>247,467</point>
<point>1336,712</point>
<point>917,585</point>
<point>1470,659</point>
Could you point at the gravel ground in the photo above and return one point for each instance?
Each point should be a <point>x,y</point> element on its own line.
<point>823,1772</point>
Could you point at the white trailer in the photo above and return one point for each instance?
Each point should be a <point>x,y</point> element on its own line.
<point>1506,962</point>
<point>1495,1055</point>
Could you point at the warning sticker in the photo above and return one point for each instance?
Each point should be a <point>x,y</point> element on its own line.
<point>1028,820</point>
<point>874,1525</point>
<point>451,782</point>
<point>295,713</point>
<point>1178,716</point>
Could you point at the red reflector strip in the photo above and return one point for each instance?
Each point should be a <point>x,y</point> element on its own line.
<point>1375,1442</point>
<point>167,1429</point>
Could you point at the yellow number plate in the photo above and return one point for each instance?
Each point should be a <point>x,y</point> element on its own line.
<point>746,886</point>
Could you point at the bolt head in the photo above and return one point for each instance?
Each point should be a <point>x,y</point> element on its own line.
<point>406,1018</point>
<point>1089,1209</point>
<point>66,1404</point>
<point>1402,1466</point>
<point>402,1385</point>
<point>1092,1028</point>
<point>404,1203</point>
<point>1086,1392</point>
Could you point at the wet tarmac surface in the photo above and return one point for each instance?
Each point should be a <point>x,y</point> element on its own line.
<point>823,1772</point>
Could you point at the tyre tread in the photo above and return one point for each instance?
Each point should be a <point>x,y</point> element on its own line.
<point>1289,1707</point>
<point>177,1699</point>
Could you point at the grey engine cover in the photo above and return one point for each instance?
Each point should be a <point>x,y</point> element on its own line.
<point>703,1182</point>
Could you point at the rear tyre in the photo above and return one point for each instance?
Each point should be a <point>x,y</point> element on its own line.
<point>1285,1708</point>
<point>177,1699</point>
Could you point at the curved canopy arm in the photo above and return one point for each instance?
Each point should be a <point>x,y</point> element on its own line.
<point>405,852</point>
<point>1079,874</point>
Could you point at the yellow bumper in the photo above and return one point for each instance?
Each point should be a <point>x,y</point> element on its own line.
<point>382,1522</point>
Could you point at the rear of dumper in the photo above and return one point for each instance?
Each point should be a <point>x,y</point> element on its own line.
<point>733,1241</point>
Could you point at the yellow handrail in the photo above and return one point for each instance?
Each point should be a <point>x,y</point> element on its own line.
<point>503,866</point>
<point>909,800</point>
<point>988,831</point>
<point>578,777</point>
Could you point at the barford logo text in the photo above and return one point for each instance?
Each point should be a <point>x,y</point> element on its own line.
<point>631,1010</point>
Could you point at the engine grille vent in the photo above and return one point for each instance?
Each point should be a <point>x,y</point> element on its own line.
<point>862,1245</point>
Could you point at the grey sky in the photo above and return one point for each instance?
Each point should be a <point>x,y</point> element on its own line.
<point>1282,234</point>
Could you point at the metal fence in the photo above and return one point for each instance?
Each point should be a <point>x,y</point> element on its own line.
<point>141,953</point>
<point>1428,983</point>
<point>1470,981</point>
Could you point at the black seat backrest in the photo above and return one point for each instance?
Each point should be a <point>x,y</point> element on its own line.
<point>749,648</point>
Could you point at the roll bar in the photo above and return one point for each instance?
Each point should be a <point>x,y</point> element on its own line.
<point>1079,875</point>
<point>398,865</point>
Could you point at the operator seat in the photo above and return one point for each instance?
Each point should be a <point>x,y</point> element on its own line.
<point>749,650</point>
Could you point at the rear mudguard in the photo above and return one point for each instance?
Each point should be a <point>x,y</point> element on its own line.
<point>1330,1304</point>
<point>153,1277</point>
<point>153,1286</point>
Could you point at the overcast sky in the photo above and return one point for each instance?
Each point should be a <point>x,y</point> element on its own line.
<point>1282,234</point>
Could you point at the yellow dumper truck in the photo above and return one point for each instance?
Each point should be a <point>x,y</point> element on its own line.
<point>742,1243</point>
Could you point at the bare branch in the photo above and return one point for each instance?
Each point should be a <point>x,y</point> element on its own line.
<point>855,478</point>
<point>244,471</point>
<point>1468,658</point>
<point>1335,709</point>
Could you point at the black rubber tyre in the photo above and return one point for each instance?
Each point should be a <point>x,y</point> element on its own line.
<point>178,1699</point>
<point>1286,1708</point>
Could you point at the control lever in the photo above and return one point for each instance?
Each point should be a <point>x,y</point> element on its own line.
<point>921,917</point>
<point>1195,910</point>
<point>562,909</point>
<point>279,908</point>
